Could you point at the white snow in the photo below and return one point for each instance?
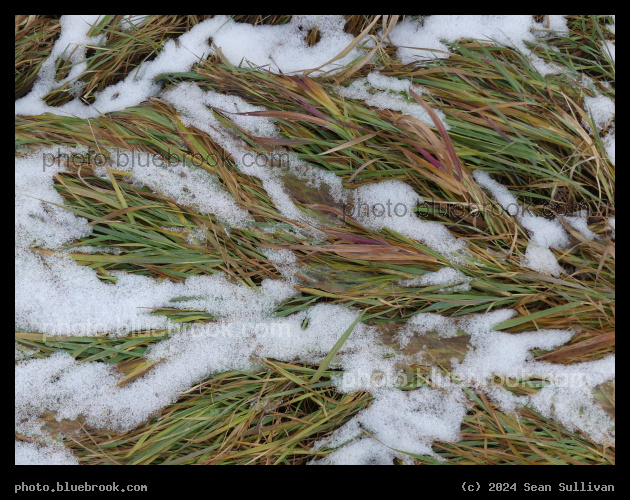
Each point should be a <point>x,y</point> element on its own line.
<point>36,454</point>
<point>541,259</point>
<point>285,261</point>
<point>445,276</point>
<point>56,296</point>
<point>544,233</point>
<point>36,222</point>
<point>609,145</point>
<point>284,48</point>
<point>611,222</point>
<point>399,422</point>
<point>189,186</point>
<point>279,48</point>
<point>60,384</point>
<point>568,398</point>
<point>579,221</point>
<point>610,48</point>
<point>419,40</point>
<point>384,92</point>
<point>423,323</point>
<point>602,110</point>
<point>390,204</point>
<point>404,421</point>
<point>130,22</point>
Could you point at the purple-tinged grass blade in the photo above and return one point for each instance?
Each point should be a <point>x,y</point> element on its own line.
<point>442,130</point>
<point>430,158</point>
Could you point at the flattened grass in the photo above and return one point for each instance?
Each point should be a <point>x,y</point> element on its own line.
<point>524,129</point>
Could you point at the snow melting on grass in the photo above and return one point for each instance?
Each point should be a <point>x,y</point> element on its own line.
<point>188,186</point>
<point>544,233</point>
<point>191,101</point>
<point>445,277</point>
<point>579,222</point>
<point>38,223</point>
<point>71,45</point>
<point>283,48</point>
<point>384,92</point>
<point>131,23</point>
<point>191,47</point>
<point>47,285</point>
<point>401,218</point>
<point>574,405</point>
<point>567,398</point>
<point>430,34</point>
<point>37,454</point>
<point>609,145</point>
<point>55,295</point>
<point>285,261</point>
<point>280,48</point>
<point>60,384</point>
<point>403,422</point>
<point>602,110</point>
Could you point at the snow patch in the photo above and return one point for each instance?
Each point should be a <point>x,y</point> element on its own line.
<point>36,454</point>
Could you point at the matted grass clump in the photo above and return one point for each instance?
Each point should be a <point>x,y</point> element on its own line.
<point>527,131</point>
